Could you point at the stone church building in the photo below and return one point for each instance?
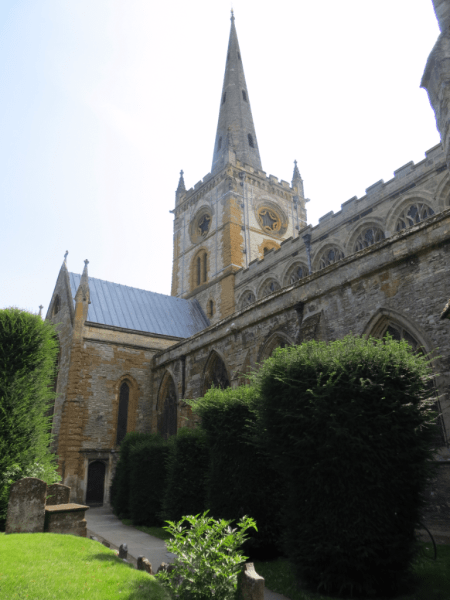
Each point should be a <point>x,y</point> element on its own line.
<point>249,275</point>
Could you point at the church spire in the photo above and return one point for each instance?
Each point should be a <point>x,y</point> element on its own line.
<point>235,113</point>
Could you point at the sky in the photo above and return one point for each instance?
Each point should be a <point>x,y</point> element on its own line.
<point>102,102</point>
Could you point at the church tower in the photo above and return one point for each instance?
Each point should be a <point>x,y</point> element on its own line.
<point>237,213</point>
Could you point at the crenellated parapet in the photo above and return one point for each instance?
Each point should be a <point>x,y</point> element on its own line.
<point>415,193</point>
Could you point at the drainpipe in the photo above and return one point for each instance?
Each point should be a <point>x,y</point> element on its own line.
<point>307,239</point>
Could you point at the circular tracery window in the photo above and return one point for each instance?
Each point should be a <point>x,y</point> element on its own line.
<point>203,225</point>
<point>412,215</point>
<point>269,220</point>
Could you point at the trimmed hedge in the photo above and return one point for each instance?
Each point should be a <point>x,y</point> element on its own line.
<point>240,478</point>
<point>148,480</point>
<point>120,486</point>
<point>187,464</point>
<point>349,426</point>
<point>28,352</point>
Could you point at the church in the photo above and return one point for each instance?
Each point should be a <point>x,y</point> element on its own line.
<point>250,275</point>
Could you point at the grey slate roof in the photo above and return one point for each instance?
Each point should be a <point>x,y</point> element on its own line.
<point>131,308</point>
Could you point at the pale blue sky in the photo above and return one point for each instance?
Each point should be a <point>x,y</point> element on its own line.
<point>102,102</point>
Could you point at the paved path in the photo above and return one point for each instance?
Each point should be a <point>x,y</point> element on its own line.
<point>106,527</point>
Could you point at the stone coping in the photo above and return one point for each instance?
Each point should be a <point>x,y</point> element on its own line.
<point>54,508</point>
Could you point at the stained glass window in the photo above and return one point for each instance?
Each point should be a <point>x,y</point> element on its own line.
<point>330,257</point>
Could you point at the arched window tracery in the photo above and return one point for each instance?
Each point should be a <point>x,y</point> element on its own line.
<point>366,238</point>
<point>269,288</point>
<point>216,374</point>
<point>295,273</point>
<point>412,215</point>
<point>247,299</point>
<point>329,257</point>
<point>200,269</point>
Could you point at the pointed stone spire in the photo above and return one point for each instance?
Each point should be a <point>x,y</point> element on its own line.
<point>65,257</point>
<point>181,189</point>
<point>235,113</point>
<point>83,293</point>
<point>297,180</point>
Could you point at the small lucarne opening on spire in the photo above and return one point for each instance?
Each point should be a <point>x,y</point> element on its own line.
<point>250,141</point>
<point>239,56</point>
<point>224,97</point>
<point>219,145</point>
<point>228,56</point>
<point>244,95</point>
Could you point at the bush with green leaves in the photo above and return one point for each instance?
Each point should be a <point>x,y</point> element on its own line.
<point>349,426</point>
<point>148,469</point>
<point>241,480</point>
<point>28,352</point>
<point>120,486</point>
<point>187,464</point>
<point>209,558</point>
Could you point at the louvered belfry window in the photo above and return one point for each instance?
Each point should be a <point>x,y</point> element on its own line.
<point>122,419</point>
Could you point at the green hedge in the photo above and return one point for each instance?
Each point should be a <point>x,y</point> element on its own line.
<point>187,464</point>
<point>120,486</point>
<point>148,480</point>
<point>349,425</point>
<point>240,479</point>
<point>28,351</point>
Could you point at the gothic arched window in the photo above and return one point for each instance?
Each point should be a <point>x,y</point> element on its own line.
<point>413,214</point>
<point>296,273</point>
<point>269,288</point>
<point>329,257</point>
<point>247,299</point>
<point>369,236</point>
<point>216,374</point>
<point>200,269</point>
<point>250,141</point>
<point>167,420</point>
<point>122,418</point>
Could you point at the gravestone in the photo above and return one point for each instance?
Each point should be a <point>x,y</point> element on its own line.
<point>123,551</point>
<point>250,584</point>
<point>143,564</point>
<point>26,506</point>
<point>57,494</point>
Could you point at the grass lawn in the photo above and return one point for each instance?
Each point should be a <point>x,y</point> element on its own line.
<point>158,532</point>
<point>431,578</point>
<point>44,566</point>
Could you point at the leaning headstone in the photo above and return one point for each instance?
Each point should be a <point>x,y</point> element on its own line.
<point>143,564</point>
<point>57,494</point>
<point>123,551</point>
<point>250,584</point>
<point>162,567</point>
<point>26,506</point>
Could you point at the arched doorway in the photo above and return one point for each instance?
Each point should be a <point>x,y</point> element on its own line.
<point>96,483</point>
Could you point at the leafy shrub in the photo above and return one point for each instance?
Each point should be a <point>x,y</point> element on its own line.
<point>208,557</point>
<point>349,424</point>
<point>187,464</point>
<point>120,486</point>
<point>147,480</point>
<point>28,351</point>
<point>240,478</point>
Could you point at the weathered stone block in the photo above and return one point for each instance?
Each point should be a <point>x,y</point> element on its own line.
<point>26,506</point>
<point>66,518</point>
<point>57,494</point>
<point>143,564</point>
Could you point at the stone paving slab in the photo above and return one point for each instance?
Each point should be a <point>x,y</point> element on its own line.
<point>105,526</point>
